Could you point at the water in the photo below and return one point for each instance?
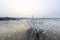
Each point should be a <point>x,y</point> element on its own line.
<point>38,23</point>
<point>45,23</point>
<point>50,26</point>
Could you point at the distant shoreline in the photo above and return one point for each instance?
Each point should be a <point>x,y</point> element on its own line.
<point>13,18</point>
<point>7,18</point>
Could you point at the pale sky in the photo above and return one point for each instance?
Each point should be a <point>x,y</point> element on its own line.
<point>27,8</point>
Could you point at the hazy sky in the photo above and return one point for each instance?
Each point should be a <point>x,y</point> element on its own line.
<point>27,8</point>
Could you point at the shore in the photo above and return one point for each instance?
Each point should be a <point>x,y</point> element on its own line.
<point>7,18</point>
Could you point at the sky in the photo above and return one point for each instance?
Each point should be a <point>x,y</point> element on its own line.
<point>29,8</point>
